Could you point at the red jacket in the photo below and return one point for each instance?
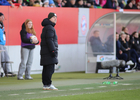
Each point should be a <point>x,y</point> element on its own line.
<point>137,1</point>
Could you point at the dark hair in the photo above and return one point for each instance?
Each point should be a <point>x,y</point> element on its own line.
<point>123,28</point>
<point>133,33</point>
<point>36,1</point>
<point>95,31</point>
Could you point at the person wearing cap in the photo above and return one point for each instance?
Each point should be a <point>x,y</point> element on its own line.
<point>4,54</point>
<point>49,50</point>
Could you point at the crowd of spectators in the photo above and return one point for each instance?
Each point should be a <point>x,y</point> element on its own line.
<point>111,4</point>
<point>128,48</point>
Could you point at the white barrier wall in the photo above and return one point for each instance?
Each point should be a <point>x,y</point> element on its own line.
<point>71,58</point>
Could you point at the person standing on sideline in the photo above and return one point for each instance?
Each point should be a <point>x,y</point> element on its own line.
<point>49,50</point>
<point>4,55</point>
<point>27,47</point>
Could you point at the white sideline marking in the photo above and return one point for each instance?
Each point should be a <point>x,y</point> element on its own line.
<point>75,89</point>
<point>13,94</point>
<point>61,90</point>
<point>30,93</point>
<point>89,88</point>
<point>64,95</point>
<point>126,84</point>
<point>102,86</point>
<point>114,85</point>
<point>45,91</point>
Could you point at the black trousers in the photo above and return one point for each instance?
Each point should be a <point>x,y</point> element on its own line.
<point>47,72</point>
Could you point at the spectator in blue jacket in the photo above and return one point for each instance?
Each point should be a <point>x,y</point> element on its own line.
<point>6,3</point>
<point>4,54</point>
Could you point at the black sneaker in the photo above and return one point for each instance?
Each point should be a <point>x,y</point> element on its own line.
<point>11,74</point>
<point>2,74</point>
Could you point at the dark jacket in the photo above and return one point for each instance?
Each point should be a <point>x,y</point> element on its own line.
<point>128,7</point>
<point>97,45</point>
<point>124,44</point>
<point>119,47</point>
<point>68,4</point>
<point>48,43</point>
<point>24,39</point>
<point>110,4</point>
<point>136,45</point>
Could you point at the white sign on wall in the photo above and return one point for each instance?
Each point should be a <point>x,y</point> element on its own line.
<point>101,58</point>
<point>83,25</point>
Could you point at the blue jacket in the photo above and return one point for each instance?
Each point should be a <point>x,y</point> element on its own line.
<point>4,2</point>
<point>2,35</point>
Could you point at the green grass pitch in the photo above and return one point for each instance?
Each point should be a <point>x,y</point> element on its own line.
<point>72,86</point>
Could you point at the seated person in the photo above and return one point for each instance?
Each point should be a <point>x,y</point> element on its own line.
<point>125,30</point>
<point>138,5</point>
<point>103,2</point>
<point>96,44</point>
<point>46,3</point>
<point>70,3</point>
<point>135,42</point>
<point>121,55</point>
<point>95,3</point>
<point>131,4</point>
<point>37,3</point>
<point>110,43</point>
<point>18,3</point>
<point>80,3</point>
<point>112,4</point>
<point>122,3</point>
<point>58,3</point>
<point>132,54</point>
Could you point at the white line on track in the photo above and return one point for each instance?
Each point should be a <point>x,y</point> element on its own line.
<point>44,91</point>
<point>13,94</point>
<point>76,89</point>
<point>30,93</point>
<point>61,90</point>
<point>114,85</point>
<point>89,88</point>
<point>102,86</point>
<point>126,84</point>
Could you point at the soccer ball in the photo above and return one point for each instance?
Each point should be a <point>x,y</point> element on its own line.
<point>33,37</point>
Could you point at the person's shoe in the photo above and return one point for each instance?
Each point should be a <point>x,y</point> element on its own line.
<point>139,59</point>
<point>129,62</point>
<point>10,74</point>
<point>20,78</point>
<point>51,87</point>
<point>128,67</point>
<point>29,78</point>
<point>134,66</point>
<point>2,75</point>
